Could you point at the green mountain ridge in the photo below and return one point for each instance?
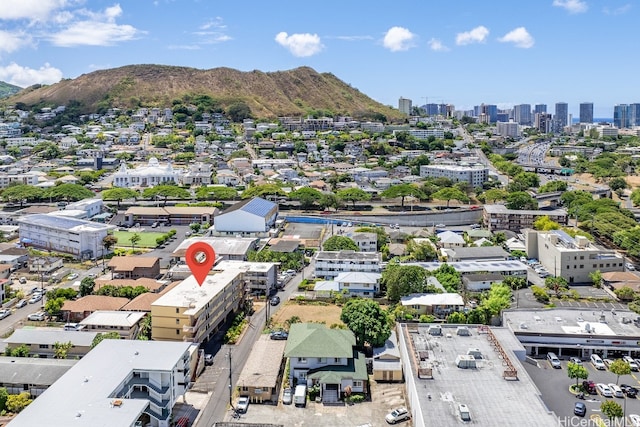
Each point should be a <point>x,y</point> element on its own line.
<point>7,89</point>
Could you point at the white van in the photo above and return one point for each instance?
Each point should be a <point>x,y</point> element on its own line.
<point>300,395</point>
<point>597,362</point>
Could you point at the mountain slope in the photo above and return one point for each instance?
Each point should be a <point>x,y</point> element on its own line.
<point>7,89</point>
<point>280,93</point>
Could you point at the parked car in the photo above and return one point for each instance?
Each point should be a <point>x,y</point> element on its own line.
<point>208,359</point>
<point>607,362</point>
<point>589,387</point>
<point>243,404</point>
<point>21,303</point>
<point>287,396</point>
<point>73,276</point>
<point>154,225</point>
<point>553,359</point>
<point>35,298</point>
<point>616,390</point>
<point>632,363</point>
<point>604,390</point>
<point>22,280</point>
<point>275,300</point>
<point>279,335</point>
<point>397,415</point>
<point>5,313</point>
<point>575,360</point>
<point>597,362</point>
<point>37,316</point>
<point>629,390</point>
<point>580,409</point>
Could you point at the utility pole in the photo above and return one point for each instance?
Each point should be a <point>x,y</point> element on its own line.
<point>230,372</point>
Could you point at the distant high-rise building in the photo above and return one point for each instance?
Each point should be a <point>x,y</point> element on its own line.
<point>404,105</point>
<point>540,108</point>
<point>522,114</point>
<point>508,129</point>
<point>634,114</point>
<point>432,109</point>
<point>561,117</point>
<point>621,116</point>
<point>502,116</point>
<point>543,122</point>
<point>586,112</point>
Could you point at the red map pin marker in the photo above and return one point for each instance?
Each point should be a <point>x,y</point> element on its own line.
<point>200,258</point>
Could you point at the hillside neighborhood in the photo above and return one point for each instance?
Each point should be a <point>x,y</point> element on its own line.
<point>364,270</point>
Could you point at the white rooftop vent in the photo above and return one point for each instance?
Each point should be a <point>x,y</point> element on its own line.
<point>558,319</point>
<point>86,379</point>
<point>523,326</point>
<point>537,318</point>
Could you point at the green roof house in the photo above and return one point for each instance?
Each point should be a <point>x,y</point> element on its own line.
<point>327,358</point>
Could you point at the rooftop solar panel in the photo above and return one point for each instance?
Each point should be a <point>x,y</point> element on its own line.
<point>258,206</point>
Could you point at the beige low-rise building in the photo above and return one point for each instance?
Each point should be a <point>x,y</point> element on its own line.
<point>42,341</point>
<point>193,312</point>
<point>261,376</point>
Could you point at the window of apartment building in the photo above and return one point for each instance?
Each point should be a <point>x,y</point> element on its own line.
<point>336,360</point>
<point>595,265</point>
<point>600,265</point>
<point>302,360</point>
<point>357,383</point>
<point>321,360</point>
<point>43,346</point>
<point>244,388</point>
<point>302,375</point>
<point>177,321</point>
<point>581,266</point>
<point>581,256</point>
<point>177,311</point>
<point>177,331</point>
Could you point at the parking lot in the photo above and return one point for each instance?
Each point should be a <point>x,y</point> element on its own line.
<point>384,397</point>
<point>554,386</point>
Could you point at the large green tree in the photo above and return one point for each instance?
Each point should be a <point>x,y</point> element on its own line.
<point>520,200</point>
<point>399,280</point>
<point>21,193</point>
<point>495,194</point>
<point>577,371</point>
<point>620,367</point>
<point>306,196</point>
<point>339,243</point>
<point>609,408</point>
<point>165,191</point>
<point>263,190</point>
<point>450,193</point>
<point>366,319</point>
<point>400,190</point>
<point>119,194</point>
<point>216,193</point>
<point>68,192</point>
<point>353,195</point>
<point>87,285</point>
<point>556,284</point>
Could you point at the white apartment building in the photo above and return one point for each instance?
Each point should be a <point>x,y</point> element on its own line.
<point>118,383</point>
<point>92,207</point>
<point>329,264</point>
<point>568,257</point>
<point>259,276</point>
<point>197,174</point>
<point>148,175</point>
<point>508,129</point>
<point>425,133</point>
<point>77,237</point>
<point>25,178</point>
<point>367,242</point>
<point>20,141</point>
<point>405,105</point>
<point>474,175</point>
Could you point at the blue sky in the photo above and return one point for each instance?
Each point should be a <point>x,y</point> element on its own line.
<point>466,52</point>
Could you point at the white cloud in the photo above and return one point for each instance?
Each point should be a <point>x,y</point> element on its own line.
<point>25,76</point>
<point>398,39</point>
<point>10,42</point>
<point>617,11</point>
<point>300,45</point>
<point>520,37</point>
<point>572,6</point>
<point>435,44</point>
<point>33,10</point>
<point>100,29</point>
<point>183,47</point>
<point>217,22</point>
<point>353,38</point>
<point>477,35</point>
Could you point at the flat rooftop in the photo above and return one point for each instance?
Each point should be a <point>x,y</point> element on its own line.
<point>577,321</point>
<point>502,209</point>
<point>221,245</point>
<point>491,399</point>
<point>190,295</point>
<point>253,267</point>
<point>465,267</point>
<point>82,396</point>
<point>262,368</point>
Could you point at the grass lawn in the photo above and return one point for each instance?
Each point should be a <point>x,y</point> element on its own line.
<point>147,239</point>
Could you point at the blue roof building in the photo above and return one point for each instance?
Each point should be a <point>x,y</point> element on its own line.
<point>253,217</point>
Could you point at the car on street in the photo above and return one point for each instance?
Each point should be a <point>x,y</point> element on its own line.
<point>286,396</point>
<point>37,316</point>
<point>580,409</point>
<point>275,300</point>
<point>397,415</point>
<point>208,359</point>
<point>243,404</point>
<point>629,390</point>
<point>21,303</point>
<point>440,225</point>
<point>35,298</point>
<point>279,335</point>
<point>604,390</point>
<point>72,276</point>
<point>4,313</point>
<point>616,390</point>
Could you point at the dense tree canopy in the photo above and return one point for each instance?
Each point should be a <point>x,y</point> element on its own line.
<point>366,319</point>
<point>400,280</point>
<point>339,243</point>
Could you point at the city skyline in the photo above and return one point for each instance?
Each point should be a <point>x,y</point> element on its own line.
<point>506,53</point>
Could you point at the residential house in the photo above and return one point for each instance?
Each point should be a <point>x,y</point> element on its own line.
<point>123,267</point>
<point>31,374</point>
<point>387,364</point>
<point>481,281</point>
<point>41,342</point>
<point>179,215</point>
<point>485,253</point>
<point>366,242</point>
<point>44,264</point>
<point>436,304</point>
<point>80,309</point>
<point>226,248</point>
<point>261,376</point>
<point>327,358</point>
<point>125,323</point>
<point>360,284</point>
<point>449,239</point>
